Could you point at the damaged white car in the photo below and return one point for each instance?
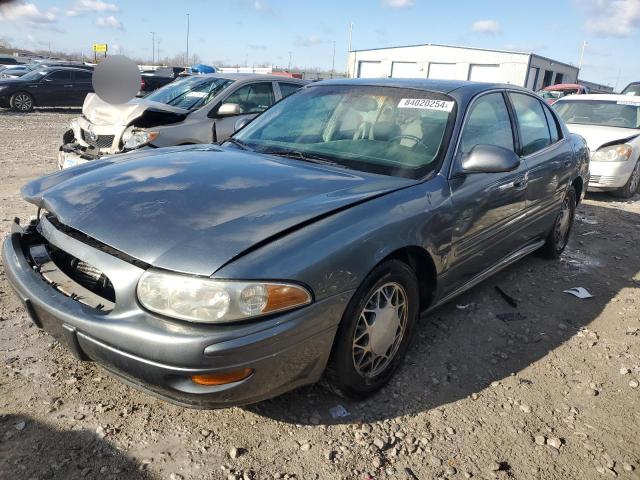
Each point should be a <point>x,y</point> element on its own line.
<point>199,109</point>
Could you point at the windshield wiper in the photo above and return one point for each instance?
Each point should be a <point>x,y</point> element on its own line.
<point>238,143</point>
<point>306,157</point>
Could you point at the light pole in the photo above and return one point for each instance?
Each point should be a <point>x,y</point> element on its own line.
<point>289,67</point>
<point>187,62</point>
<point>333,60</point>
<point>153,48</point>
<point>349,53</point>
<point>584,45</point>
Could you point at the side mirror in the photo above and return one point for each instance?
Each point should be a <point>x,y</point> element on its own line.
<point>228,110</point>
<point>241,123</point>
<point>490,159</point>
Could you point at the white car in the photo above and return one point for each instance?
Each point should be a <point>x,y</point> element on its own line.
<point>611,126</point>
<point>197,109</point>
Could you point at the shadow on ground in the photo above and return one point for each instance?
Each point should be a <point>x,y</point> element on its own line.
<point>29,449</point>
<point>461,348</point>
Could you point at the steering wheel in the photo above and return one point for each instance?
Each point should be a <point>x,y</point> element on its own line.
<point>417,140</point>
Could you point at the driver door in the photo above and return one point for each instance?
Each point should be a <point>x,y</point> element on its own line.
<point>252,100</point>
<point>487,207</point>
<point>56,89</point>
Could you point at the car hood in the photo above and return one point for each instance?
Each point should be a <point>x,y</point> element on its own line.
<point>99,112</point>
<point>194,209</point>
<point>597,136</point>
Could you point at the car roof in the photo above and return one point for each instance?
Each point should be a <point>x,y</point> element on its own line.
<point>250,76</point>
<point>443,86</point>
<point>607,97</point>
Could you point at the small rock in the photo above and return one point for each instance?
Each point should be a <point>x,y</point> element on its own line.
<point>378,442</point>
<point>592,392</point>
<point>176,476</point>
<point>628,467</point>
<point>20,425</point>
<point>451,431</point>
<point>305,447</point>
<point>540,439</point>
<point>78,416</point>
<point>235,452</point>
<point>525,408</point>
<point>435,461</point>
<point>633,384</point>
<point>146,461</point>
<point>205,433</point>
<point>474,396</point>
<point>377,462</point>
<point>450,470</point>
<point>625,371</point>
<point>494,466</point>
<point>100,432</point>
<point>554,442</point>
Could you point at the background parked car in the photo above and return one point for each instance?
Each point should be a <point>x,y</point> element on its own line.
<point>6,60</point>
<point>46,87</point>
<point>15,71</point>
<point>154,79</point>
<point>611,126</point>
<point>632,89</point>
<point>552,93</point>
<point>197,109</point>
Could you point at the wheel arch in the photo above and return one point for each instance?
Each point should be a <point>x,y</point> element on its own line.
<point>578,185</point>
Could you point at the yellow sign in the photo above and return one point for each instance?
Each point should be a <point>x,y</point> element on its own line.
<point>100,47</point>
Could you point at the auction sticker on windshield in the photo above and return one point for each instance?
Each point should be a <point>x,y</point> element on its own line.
<point>629,102</point>
<point>426,103</point>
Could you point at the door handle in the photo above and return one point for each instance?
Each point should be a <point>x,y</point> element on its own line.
<point>67,86</point>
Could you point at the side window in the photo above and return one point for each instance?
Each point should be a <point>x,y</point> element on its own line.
<point>487,124</point>
<point>83,77</point>
<point>532,121</point>
<point>252,98</point>
<point>59,76</point>
<point>554,130</point>
<point>288,88</point>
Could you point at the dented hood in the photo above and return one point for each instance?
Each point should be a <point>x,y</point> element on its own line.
<point>597,136</point>
<point>193,209</point>
<point>99,112</point>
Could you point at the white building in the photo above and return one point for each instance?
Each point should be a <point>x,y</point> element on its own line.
<point>460,63</point>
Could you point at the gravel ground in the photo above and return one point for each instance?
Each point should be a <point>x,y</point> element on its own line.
<point>551,393</point>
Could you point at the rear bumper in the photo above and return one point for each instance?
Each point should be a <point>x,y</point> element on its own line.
<point>159,355</point>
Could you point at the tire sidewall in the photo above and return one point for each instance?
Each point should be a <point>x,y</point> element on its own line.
<point>343,372</point>
<point>558,249</point>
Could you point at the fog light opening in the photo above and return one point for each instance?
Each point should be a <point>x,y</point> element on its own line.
<point>221,378</point>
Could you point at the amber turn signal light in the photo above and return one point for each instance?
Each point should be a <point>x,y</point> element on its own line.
<point>221,378</point>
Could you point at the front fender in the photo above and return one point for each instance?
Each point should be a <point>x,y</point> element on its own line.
<point>334,254</point>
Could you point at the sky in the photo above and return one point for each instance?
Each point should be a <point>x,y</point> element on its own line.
<point>255,32</point>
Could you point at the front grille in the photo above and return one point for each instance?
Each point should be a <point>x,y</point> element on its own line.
<point>86,275</point>
<point>101,141</point>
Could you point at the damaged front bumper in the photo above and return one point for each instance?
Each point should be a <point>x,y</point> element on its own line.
<point>154,353</point>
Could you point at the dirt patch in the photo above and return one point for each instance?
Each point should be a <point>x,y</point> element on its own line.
<point>546,390</point>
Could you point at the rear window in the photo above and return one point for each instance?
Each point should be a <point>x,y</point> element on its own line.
<point>605,113</point>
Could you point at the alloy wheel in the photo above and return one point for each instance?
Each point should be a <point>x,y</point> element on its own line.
<point>380,329</point>
<point>635,178</point>
<point>22,102</point>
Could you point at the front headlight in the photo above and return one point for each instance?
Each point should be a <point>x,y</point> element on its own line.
<point>134,138</point>
<point>613,153</point>
<point>198,299</point>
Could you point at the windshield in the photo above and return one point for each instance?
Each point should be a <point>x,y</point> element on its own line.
<point>550,93</point>
<point>391,131</point>
<point>632,89</point>
<point>34,75</point>
<point>190,93</point>
<point>606,113</point>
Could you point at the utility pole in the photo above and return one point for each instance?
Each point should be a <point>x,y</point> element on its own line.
<point>584,45</point>
<point>158,45</point>
<point>289,67</point>
<point>349,53</point>
<point>350,34</point>
<point>153,48</point>
<point>333,60</point>
<point>187,62</point>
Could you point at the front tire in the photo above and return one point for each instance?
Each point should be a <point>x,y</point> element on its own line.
<point>559,235</point>
<point>21,102</point>
<point>631,187</point>
<point>375,331</point>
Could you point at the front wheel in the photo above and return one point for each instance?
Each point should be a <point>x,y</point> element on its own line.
<point>21,102</point>
<point>375,330</point>
<point>559,235</point>
<point>631,187</point>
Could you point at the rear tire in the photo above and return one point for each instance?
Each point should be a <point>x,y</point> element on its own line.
<point>631,187</point>
<point>22,102</point>
<point>559,235</point>
<point>375,331</point>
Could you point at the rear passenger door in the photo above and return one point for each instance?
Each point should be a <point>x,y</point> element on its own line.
<point>82,85</point>
<point>548,156</point>
<point>253,99</point>
<point>287,89</point>
<point>487,207</point>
